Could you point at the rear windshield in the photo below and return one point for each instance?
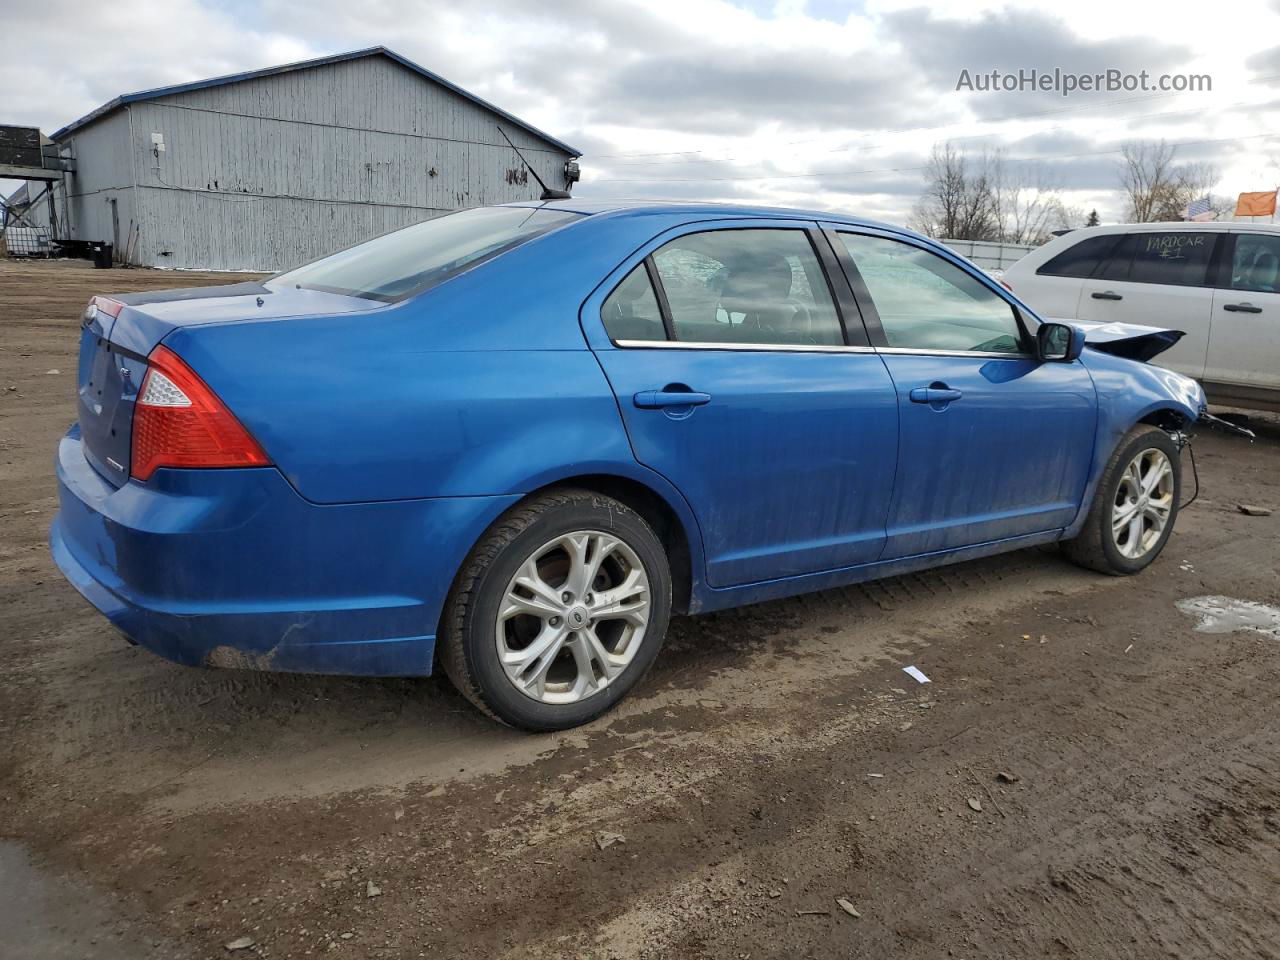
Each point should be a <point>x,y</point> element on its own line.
<point>400,264</point>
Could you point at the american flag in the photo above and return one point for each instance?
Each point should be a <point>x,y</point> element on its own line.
<point>1200,209</point>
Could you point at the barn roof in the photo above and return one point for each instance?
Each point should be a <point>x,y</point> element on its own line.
<point>378,51</point>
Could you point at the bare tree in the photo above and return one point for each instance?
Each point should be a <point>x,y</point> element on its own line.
<point>1028,202</point>
<point>986,197</point>
<point>959,199</point>
<point>1157,188</point>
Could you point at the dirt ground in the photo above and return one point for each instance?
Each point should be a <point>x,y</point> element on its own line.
<point>1087,775</point>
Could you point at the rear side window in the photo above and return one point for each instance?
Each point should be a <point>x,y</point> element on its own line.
<point>631,311</point>
<point>409,261</point>
<point>1080,259</point>
<point>1172,257</point>
<point>757,286</point>
<point>1255,265</point>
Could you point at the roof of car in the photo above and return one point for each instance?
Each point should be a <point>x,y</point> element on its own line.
<point>720,210</point>
<point>1179,225</point>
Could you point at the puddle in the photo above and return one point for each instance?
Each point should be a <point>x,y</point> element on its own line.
<point>1225,614</point>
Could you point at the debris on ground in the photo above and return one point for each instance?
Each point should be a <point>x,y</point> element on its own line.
<point>606,840</point>
<point>1004,776</point>
<point>372,890</point>
<point>848,908</point>
<point>975,804</point>
<point>1249,510</point>
<point>241,943</point>
<point>915,673</point>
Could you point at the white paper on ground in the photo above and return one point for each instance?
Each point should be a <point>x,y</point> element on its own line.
<point>914,672</point>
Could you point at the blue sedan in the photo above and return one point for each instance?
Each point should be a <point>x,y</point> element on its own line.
<point>515,440</point>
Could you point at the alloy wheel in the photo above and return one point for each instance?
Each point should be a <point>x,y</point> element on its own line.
<point>1143,503</point>
<point>573,617</point>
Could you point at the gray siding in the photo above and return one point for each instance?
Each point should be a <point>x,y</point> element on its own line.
<point>267,173</point>
<point>271,172</point>
<point>104,173</point>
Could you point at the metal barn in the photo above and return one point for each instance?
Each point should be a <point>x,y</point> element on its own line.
<point>268,169</point>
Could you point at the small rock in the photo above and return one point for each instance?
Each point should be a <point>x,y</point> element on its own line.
<point>606,840</point>
<point>372,890</point>
<point>335,875</point>
<point>241,943</point>
<point>50,373</point>
<point>399,813</point>
<point>975,804</point>
<point>903,728</point>
<point>774,894</point>
<point>1249,510</point>
<point>876,776</point>
<point>1005,777</point>
<point>848,908</point>
<point>347,936</point>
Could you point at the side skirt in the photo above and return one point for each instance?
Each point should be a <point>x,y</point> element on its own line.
<point>706,598</point>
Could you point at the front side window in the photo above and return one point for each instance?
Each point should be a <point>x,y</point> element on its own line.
<point>400,264</point>
<point>1255,266</point>
<point>757,286</point>
<point>928,303</point>
<point>1081,258</point>
<point>1180,258</point>
<point>631,311</point>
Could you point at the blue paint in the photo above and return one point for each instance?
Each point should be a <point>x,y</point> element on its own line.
<point>400,432</point>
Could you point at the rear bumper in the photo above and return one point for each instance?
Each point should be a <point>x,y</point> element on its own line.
<point>232,568</point>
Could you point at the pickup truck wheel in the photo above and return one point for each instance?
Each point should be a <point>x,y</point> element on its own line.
<point>1135,506</point>
<point>558,611</point>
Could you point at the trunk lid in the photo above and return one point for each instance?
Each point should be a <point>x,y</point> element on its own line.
<point>114,349</point>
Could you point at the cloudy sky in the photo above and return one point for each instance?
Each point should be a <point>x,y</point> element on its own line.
<point>814,103</point>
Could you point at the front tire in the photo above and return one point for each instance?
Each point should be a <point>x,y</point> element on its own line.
<point>558,612</point>
<point>1135,506</point>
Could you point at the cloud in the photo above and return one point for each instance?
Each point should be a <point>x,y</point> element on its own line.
<point>705,99</point>
<point>1013,40</point>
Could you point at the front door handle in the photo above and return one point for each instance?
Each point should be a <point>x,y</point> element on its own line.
<point>935,394</point>
<point>1241,308</point>
<point>653,399</point>
<point>1106,295</point>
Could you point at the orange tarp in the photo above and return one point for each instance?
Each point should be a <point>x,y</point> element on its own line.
<point>1256,204</point>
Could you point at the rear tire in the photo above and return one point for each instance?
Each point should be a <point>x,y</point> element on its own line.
<point>558,611</point>
<point>1135,506</point>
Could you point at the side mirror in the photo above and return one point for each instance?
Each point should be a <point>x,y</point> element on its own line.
<point>1059,342</point>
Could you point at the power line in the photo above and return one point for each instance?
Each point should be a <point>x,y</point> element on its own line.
<point>922,128</point>
<point>976,136</point>
<point>850,173</point>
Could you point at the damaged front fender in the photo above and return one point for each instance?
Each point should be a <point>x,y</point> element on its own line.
<point>1133,341</point>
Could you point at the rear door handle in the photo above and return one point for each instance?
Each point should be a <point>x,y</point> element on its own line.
<point>1241,308</point>
<point>934,395</point>
<point>1106,295</point>
<point>653,399</point>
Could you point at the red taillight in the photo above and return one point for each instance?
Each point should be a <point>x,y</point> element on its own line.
<point>105,305</point>
<point>179,422</point>
<point>108,306</point>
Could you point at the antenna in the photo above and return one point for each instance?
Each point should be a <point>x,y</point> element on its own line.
<point>547,192</point>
